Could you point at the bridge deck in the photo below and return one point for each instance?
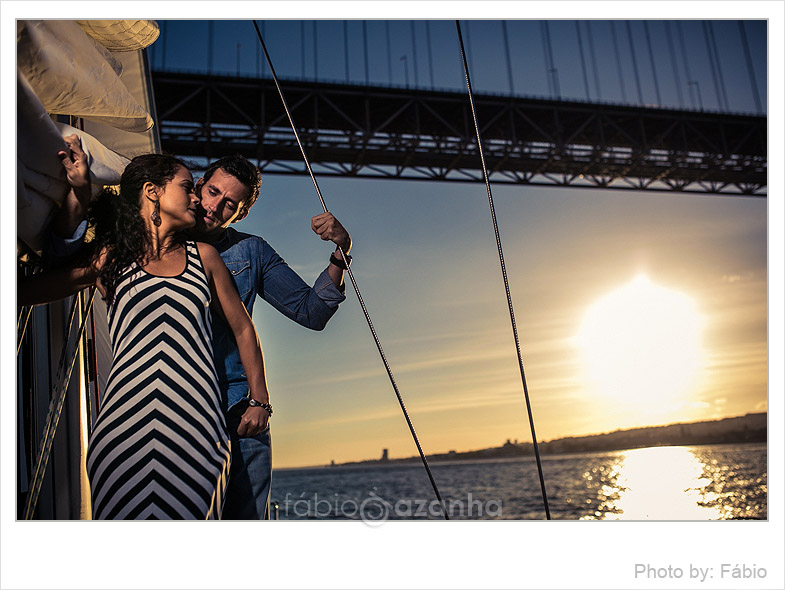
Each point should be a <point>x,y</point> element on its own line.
<point>404,133</point>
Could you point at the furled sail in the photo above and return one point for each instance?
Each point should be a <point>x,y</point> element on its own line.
<point>72,74</point>
<point>94,70</point>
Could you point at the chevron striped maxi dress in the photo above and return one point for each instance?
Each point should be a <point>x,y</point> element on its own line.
<point>160,447</point>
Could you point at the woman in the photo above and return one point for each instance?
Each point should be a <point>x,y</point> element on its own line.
<point>160,447</point>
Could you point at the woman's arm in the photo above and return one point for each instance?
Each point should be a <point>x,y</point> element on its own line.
<point>227,302</point>
<point>51,285</point>
<point>59,283</point>
<point>76,202</point>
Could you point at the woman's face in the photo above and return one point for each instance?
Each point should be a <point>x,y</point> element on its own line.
<point>178,200</point>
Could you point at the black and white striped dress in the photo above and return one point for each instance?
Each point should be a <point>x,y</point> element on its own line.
<point>160,448</point>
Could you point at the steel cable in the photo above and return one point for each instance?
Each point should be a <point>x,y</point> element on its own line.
<point>351,277</point>
<point>651,61</point>
<point>22,321</point>
<point>634,64</point>
<point>56,406</point>
<point>21,326</point>
<point>750,68</point>
<point>504,272</point>
<point>583,60</point>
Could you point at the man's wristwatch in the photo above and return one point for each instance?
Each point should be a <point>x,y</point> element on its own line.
<point>255,404</point>
<point>340,263</point>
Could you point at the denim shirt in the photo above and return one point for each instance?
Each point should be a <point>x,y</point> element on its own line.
<point>257,269</point>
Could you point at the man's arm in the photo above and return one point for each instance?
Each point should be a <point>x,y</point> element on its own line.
<point>286,291</point>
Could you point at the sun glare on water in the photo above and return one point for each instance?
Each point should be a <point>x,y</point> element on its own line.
<point>641,344</point>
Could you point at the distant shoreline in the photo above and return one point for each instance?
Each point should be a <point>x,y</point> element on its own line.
<point>750,428</point>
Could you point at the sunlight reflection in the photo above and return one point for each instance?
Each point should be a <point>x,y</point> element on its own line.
<point>661,483</point>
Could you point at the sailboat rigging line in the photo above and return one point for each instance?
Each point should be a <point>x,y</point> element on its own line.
<point>21,326</point>
<point>22,321</point>
<point>352,279</point>
<point>94,364</point>
<point>504,271</point>
<point>56,405</point>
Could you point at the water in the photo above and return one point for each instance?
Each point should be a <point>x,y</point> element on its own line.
<point>712,482</point>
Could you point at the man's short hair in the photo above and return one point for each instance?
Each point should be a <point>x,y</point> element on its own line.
<point>241,168</point>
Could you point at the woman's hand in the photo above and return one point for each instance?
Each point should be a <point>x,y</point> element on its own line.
<point>76,202</point>
<point>77,169</point>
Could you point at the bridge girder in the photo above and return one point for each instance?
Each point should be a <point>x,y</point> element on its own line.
<point>400,133</point>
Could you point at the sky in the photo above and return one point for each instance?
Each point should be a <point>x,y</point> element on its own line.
<point>426,263</point>
<point>428,270</point>
<point>651,62</point>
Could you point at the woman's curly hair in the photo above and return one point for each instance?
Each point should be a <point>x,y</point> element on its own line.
<point>121,235</point>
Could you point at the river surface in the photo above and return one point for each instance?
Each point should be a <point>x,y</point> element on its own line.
<point>711,482</point>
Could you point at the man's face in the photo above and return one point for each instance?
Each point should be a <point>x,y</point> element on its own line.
<point>221,199</point>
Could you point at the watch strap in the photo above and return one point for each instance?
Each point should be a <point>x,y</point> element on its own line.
<point>256,404</point>
<point>340,263</point>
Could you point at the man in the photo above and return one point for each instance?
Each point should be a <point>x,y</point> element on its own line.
<point>227,191</point>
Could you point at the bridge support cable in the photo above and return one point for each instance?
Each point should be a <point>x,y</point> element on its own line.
<point>365,52</point>
<point>210,44</point>
<point>414,55</point>
<point>315,52</point>
<point>719,67</point>
<point>389,51</point>
<point>651,61</point>
<point>345,49</point>
<point>690,82</point>
<point>634,63</point>
<point>750,69</point>
<point>618,61</point>
<point>583,60</point>
<point>507,59</point>
<point>716,68</point>
<point>353,280</point>
<point>593,60</point>
<point>674,65</point>
<point>504,275</point>
<point>550,65</point>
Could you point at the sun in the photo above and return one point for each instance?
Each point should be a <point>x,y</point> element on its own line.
<point>642,344</point>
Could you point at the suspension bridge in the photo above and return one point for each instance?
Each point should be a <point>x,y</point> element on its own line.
<point>621,105</point>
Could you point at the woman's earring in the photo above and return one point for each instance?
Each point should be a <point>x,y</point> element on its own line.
<point>156,217</point>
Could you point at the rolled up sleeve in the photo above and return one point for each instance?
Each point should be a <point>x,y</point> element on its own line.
<point>284,289</point>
